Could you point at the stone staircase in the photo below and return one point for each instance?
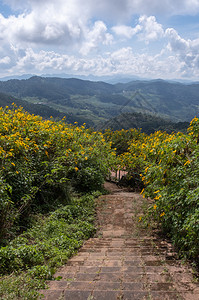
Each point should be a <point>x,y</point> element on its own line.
<point>123,262</point>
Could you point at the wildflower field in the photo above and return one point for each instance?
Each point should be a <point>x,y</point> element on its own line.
<point>38,160</point>
<point>50,173</point>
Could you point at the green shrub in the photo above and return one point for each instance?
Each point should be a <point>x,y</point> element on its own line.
<point>39,161</point>
<point>169,167</point>
<point>52,240</point>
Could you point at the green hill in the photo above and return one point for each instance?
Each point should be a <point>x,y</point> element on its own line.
<point>94,103</point>
<point>146,122</point>
<point>37,109</point>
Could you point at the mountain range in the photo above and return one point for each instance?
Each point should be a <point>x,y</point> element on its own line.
<point>96,102</point>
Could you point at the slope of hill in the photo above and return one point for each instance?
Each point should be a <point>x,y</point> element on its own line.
<point>146,122</point>
<point>42,110</point>
<point>37,109</point>
<point>96,102</point>
<point>173,99</point>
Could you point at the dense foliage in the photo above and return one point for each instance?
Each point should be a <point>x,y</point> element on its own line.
<point>43,165</point>
<point>168,165</point>
<point>40,160</point>
<point>31,258</point>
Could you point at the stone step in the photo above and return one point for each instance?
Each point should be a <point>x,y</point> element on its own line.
<point>52,294</point>
<point>107,281</point>
<point>114,295</point>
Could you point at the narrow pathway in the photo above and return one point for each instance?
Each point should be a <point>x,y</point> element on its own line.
<point>123,261</point>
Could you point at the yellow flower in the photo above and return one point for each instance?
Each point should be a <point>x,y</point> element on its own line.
<point>86,158</point>
<point>76,169</point>
<point>155,206</point>
<point>187,162</point>
<point>162,214</point>
<point>142,192</point>
<point>157,192</point>
<point>157,197</point>
<point>12,164</point>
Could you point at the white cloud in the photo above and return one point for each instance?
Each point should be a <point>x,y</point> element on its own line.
<point>43,60</point>
<point>122,61</point>
<point>126,31</point>
<point>181,58</point>
<point>128,62</point>
<point>31,29</point>
<point>5,60</point>
<point>64,23</point>
<point>187,52</point>
<point>96,36</point>
<point>147,29</point>
<point>176,43</point>
<point>151,30</point>
<point>68,22</point>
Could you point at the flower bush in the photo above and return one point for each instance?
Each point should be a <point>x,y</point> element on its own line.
<point>40,159</point>
<point>168,165</point>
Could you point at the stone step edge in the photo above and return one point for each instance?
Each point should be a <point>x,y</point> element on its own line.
<point>113,290</point>
<point>65,291</point>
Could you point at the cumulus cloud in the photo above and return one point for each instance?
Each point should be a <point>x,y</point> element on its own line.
<point>30,28</point>
<point>98,35</point>
<point>187,52</point>
<point>151,30</point>
<point>147,29</point>
<point>68,22</point>
<point>182,59</point>
<point>176,43</point>
<point>121,61</point>
<point>128,62</point>
<point>126,31</point>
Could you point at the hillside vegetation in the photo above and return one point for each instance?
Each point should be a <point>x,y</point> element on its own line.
<point>96,102</point>
<point>50,173</point>
<point>148,123</point>
<point>165,168</point>
<point>37,109</point>
<point>39,158</point>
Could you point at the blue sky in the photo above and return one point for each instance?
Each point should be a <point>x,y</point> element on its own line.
<point>145,38</point>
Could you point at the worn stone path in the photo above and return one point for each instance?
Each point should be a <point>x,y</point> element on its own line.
<point>123,261</point>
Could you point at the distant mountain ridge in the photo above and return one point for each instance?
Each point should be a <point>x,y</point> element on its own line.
<point>109,78</point>
<point>95,102</point>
